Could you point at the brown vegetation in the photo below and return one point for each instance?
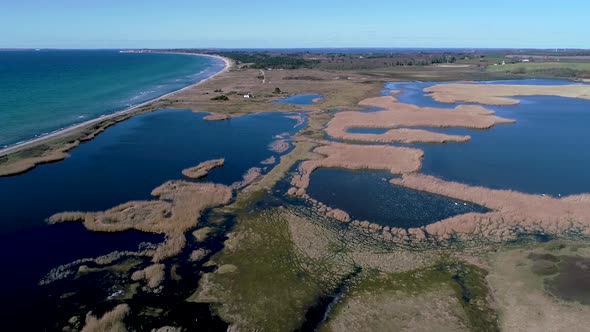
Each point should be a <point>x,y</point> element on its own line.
<point>279,146</point>
<point>202,169</point>
<point>23,165</point>
<point>153,275</point>
<point>499,94</point>
<point>385,310</point>
<point>199,254</point>
<point>269,161</point>
<point>397,160</point>
<point>249,177</point>
<point>111,321</point>
<point>177,209</point>
<point>201,234</point>
<point>513,212</point>
<point>397,116</point>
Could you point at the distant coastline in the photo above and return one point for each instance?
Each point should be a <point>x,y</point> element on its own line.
<point>127,111</point>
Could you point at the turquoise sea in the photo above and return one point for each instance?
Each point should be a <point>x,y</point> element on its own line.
<point>43,91</point>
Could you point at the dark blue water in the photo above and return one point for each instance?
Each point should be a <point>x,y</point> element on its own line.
<point>377,131</point>
<point>298,100</point>
<point>124,163</point>
<point>545,151</point>
<point>47,90</point>
<point>368,195</point>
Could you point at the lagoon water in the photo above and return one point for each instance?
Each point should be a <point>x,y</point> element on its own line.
<point>298,99</point>
<point>368,195</point>
<point>544,152</point>
<point>124,163</point>
<point>43,91</point>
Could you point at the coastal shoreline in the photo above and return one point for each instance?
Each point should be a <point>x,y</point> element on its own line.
<point>127,111</point>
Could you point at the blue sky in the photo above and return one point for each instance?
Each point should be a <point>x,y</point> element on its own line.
<point>303,23</point>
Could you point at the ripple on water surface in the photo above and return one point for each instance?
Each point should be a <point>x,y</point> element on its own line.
<point>368,195</point>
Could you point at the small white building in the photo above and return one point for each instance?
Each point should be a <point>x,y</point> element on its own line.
<point>248,96</point>
<point>526,60</point>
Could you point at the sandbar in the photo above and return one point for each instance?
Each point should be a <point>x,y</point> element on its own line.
<point>499,94</point>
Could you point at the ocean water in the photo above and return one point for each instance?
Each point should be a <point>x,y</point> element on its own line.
<point>43,91</point>
<point>544,152</point>
<point>124,163</point>
<point>368,195</point>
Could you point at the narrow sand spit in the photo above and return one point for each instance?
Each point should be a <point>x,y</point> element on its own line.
<point>513,212</point>
<point>397,160</point>
<point>499,94</point>
<point>202,169</point>
<point>397,116</point>
<point>177,209</point>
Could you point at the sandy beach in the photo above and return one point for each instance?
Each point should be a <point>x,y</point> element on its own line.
<point>127,111</point>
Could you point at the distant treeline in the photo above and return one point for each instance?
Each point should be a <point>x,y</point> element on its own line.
<point>263,60</point>
<point>297,60</point>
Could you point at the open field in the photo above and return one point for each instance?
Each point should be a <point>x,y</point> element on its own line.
<point>545,69</point>
<point>522,280</point>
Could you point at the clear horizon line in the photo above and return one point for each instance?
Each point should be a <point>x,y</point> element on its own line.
<point>297,48</point>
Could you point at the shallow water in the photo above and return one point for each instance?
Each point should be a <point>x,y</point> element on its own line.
<point>298,100</point>
<point>368,195</point>
<point>544,152</point>
<point>43,91</point>
<point>124,163</point>
<point>412,92</point>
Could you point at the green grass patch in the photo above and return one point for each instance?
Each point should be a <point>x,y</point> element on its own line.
<point>552,69</point>
<point>467,281</point>
<point>269,287</point>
